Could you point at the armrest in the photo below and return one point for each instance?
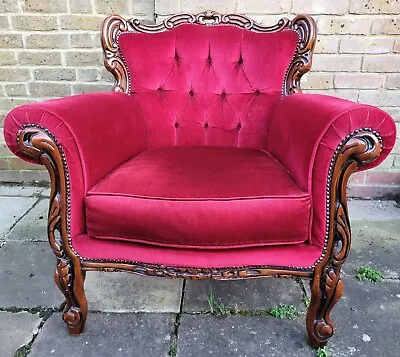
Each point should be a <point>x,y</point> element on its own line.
<point>93,133</point>
<point>308,130</point>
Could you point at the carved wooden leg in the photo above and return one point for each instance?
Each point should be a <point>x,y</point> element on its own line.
<point>326,290</point>
<point>70,280</point>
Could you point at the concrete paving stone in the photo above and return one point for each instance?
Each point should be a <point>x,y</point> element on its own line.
<point>125,292</point>
<point>33,226</point>
<point>22,191</point>
<point>375,244</point>
<point>243,294</point>
<point>16,330</point>
<point>26,275</point>
<point>240,336</point>
<point>46,192</point>
<point>367,320</point>
<point>373,210</point>
<point>13,208</point>
<point>107,335</point>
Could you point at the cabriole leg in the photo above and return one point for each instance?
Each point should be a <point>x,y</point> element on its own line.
<point>70,280</point>
<point>326,290</point>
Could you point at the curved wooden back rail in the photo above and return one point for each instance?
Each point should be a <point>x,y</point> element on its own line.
<point>301,63</point>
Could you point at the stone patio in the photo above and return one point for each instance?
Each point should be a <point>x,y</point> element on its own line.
<point>138,316</point>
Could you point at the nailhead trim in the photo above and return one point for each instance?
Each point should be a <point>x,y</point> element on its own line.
<point>200,271</point>
<point>221,20</point>
<point>329,183</point>
<point>295,55</point>
<point>67,179</point>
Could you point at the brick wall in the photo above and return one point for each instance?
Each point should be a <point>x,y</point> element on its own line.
<point>51,48</point>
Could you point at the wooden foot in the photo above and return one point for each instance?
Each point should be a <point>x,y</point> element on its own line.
<point>70,280</point>
<point>326,290</point>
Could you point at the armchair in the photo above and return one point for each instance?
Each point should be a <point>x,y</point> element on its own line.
<point>206,161</point>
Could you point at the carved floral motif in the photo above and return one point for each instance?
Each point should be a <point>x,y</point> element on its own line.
<point>304,25</point>
<point>357,149</point>
<point>39,144</point>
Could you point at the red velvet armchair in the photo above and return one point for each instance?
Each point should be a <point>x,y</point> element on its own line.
<point>205,162</point>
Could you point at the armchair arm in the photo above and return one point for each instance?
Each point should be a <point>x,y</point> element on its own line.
<point>309,132</point>
<point>80,139</point>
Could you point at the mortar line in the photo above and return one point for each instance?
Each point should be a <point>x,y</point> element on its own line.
<point>173,347</point>
<point>25,349</point>
<point>302,287</point>
<point>32,310</point>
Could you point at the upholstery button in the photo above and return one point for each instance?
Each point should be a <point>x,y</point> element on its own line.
<point>191,93</point>
<point>206,125</point>
<point>209,60</point>
<point>176,125</point>
<point>240,61</point>
<point>176,57</point>
<point>160,89</point>
<point>257,92</point>
<point>223,95</point>
<point>239,126</point>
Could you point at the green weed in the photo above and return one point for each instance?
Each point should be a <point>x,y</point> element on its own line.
<point>285,312</point>
<point>322,352</point>
<point>369,274</point>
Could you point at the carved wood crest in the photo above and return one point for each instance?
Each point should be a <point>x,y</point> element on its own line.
<point>115,25</point>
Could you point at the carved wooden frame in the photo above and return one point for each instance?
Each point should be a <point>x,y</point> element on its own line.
<point>303,25</point>
<point>356,150</point>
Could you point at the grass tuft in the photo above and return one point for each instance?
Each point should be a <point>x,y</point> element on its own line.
<point>369,274</point>
<point>216,308</point>
<point>284,312</point>
<point>322,352</point>
<point>281,311</point>
<point>306,301</point>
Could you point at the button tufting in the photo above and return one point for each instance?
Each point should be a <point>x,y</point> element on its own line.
<point>209,60</point>
<point>160,89</point>
<point>223,95</point>
<point>257,92</point>
<point>206,125</point>
<point>240,61</point>
<point>191,93</point>
<point>239,126</point>
<point>176,125</point>
<point>176,57</point>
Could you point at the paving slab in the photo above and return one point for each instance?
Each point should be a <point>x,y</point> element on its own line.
<point>243,294</point>
<point>16,330</point>
<point>33,226</point>
<point>125,292</point>
<point>375,244</point>
<point>240,336</point>
<point>26,275</point>
<point>46,192</point>
<point>12,209</point>
<point>367,320</point>
<point>22,191</point>
<point>107,335</point>
<point>373,210</point>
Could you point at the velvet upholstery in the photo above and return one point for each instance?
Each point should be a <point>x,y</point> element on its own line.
<point>93,144</point>
<point>207,85</point>
<point>301,255</point>
<point>314,125</point>
<point>195,87</point>
<point>199,197</point>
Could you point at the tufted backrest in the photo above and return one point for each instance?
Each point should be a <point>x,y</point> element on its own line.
<point>206,85</point>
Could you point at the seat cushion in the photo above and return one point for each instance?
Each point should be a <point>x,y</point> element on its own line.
<point>200,197</point>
